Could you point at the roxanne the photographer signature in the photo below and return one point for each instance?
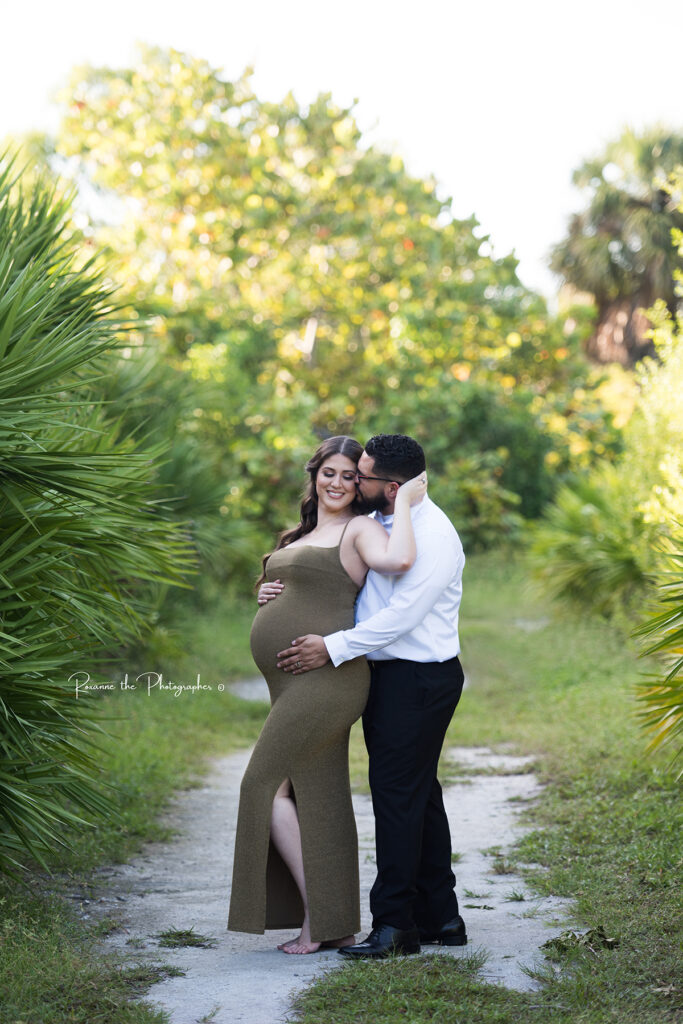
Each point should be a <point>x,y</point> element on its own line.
<point>150,681</point>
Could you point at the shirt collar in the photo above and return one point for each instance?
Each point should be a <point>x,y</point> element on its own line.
<point>415,512</point>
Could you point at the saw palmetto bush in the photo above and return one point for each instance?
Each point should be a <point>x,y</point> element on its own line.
<point>592,547</point>
<point>82,546</point>
<point>662,698</point>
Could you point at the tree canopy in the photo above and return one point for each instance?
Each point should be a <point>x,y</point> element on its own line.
<point>305,285</point>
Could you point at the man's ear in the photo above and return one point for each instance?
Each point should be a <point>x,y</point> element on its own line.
<point>392,490</point>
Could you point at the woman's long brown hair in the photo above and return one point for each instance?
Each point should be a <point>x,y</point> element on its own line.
<point>308,520</point>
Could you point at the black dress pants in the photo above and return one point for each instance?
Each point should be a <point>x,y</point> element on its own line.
<point>408,711</point>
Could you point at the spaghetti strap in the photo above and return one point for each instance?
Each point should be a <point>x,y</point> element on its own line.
<point>344,531</point>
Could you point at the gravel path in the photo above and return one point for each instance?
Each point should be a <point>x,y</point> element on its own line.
<point>244,979</point>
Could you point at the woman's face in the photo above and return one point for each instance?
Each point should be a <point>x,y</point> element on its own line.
<point>335,484</point>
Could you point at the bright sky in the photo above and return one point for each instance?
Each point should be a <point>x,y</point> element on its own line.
<point>499,100</point>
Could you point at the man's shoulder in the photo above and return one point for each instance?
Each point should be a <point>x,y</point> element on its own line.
<point>434,528</point>
<point>434,519</point>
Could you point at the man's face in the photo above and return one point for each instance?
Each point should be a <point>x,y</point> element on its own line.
<point>371,493</point>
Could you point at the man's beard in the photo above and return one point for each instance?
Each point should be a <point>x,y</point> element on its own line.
<point>380,503</point>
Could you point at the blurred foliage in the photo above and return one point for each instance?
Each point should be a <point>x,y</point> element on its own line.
<point>653,454</point>
<point>302,284</point>
<point>628,508</point>
<point>620,249</point>
<point>613,535</point>
<point>487,514</point>
<point>170,407</point>
<point>602,539</point>
<point>84,550</point>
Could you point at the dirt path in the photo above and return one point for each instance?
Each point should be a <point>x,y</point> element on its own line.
<point>243,979</point>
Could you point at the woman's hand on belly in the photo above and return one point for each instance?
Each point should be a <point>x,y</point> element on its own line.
<point>269,591</point>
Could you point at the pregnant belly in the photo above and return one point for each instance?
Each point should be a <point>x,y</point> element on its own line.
<point>277,623</point>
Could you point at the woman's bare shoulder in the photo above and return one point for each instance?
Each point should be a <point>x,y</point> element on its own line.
<point>365,526</point>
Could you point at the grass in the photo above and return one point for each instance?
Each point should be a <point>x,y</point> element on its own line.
<point>437,988</point>
<point>174,938</point>
<point>606,829</point>
<point>514,896</point>
<point>501,866</point>
<point>49,971</point>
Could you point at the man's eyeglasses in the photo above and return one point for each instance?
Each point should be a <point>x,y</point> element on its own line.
<point>362,476</point>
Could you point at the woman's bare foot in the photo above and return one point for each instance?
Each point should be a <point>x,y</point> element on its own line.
<point>348,940</point>
<point>303,944</point>
<point>300,945</point>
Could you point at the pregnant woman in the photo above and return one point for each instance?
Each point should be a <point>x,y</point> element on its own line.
<point>296,849</point>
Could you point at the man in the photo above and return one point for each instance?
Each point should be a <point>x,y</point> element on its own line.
<point>407,625</point>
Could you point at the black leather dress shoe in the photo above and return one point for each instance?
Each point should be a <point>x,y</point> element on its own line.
<point>450,934</point>
<point>384,940</point>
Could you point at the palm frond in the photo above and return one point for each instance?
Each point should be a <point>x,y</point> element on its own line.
<point>84,540</point>
<point>662,715</point>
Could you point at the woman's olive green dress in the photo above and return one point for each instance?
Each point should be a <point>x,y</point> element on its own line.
<point>305,739</point>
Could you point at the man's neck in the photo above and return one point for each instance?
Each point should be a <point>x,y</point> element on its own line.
<point>389,510</point>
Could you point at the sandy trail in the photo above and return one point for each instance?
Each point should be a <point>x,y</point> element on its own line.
<point>244,979</point>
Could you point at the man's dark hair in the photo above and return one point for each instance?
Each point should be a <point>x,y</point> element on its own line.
<point>396,456</point>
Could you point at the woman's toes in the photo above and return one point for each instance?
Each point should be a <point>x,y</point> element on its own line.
<point>302,948</point>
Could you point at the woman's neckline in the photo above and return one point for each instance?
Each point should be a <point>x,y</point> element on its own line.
<point>322,547</point>
<point>301,547</point>
<point>327,547</point>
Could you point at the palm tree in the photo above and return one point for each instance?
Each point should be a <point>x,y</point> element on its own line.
<point>81,544</point>
<point>620,248</point>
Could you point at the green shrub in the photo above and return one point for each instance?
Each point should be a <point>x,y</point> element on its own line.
<point>598,543</point>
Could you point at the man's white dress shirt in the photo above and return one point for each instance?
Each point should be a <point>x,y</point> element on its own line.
<point>412,615</point>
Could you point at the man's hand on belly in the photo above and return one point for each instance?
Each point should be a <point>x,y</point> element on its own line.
<point>306,653</point>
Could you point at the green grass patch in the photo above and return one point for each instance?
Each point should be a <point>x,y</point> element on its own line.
<point>52,972</point>
<point>433,989</point>
<point>515,896</point>
<point>175,938</point>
